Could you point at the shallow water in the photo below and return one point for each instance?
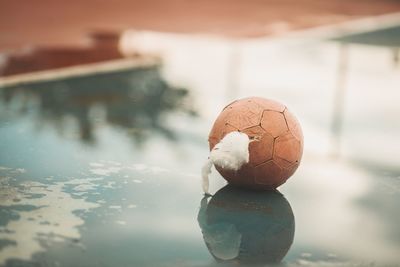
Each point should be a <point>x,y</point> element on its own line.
<point>104,170</point>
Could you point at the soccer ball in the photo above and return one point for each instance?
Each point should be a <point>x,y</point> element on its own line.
<point>276,144</point>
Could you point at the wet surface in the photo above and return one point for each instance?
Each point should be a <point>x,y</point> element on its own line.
<point>104,170</point>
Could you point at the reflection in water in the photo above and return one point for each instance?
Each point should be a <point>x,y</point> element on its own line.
<point>35,215</point>
<point>133,99</point>
<point>247,227</point>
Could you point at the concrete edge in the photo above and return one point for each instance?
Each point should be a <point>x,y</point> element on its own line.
<point>79,71</point>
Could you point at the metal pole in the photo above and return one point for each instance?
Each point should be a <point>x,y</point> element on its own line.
<point>233,72</point>
<point>339,99</point>
<point>396,56</point>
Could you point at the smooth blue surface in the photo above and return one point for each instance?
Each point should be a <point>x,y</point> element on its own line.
<point>105,171</point>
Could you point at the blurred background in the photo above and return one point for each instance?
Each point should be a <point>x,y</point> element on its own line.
<point>106,106</point>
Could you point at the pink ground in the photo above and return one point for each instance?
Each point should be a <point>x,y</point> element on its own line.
<point>50,22</point>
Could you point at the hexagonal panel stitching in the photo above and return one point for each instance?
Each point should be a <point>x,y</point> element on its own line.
<point>288,148</point>
<point>274,123</point>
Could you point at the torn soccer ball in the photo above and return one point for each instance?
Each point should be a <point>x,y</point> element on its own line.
<point>255,143</point>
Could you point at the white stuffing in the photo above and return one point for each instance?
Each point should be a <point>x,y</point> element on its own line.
<point>231,153</point>
<point>205,172</point>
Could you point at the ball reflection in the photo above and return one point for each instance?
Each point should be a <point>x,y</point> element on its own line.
<point>247,227</point>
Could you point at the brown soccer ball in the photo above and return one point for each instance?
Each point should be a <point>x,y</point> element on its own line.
<point>276,151</point>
